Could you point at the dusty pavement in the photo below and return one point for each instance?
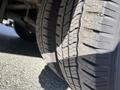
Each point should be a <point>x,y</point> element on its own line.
<point>21,67</point>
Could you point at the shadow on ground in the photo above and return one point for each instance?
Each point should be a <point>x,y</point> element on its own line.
<point>48,80</point>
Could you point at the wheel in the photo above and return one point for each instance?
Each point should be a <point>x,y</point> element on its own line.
<point>24,31</point>
<point>87,41</point>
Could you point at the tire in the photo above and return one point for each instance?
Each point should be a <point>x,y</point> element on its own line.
<point>87,41</point>
<point>46,28</point>
<point>23,30</point>
<point>88,44</point>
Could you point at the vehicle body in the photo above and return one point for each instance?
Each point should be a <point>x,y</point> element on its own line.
<point>78,37</point>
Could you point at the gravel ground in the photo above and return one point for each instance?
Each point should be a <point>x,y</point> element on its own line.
<point>21,67</point>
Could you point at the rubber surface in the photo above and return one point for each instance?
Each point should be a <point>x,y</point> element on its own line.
<point>46,32</point>
<point>46,28</point>
<point>88,32</point>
